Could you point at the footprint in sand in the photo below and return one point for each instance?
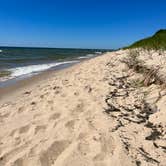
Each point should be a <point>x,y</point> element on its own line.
<point>21,109</point>
<point>82,136</point>
<point>41,96</point>
<point>18,162</point>
<point>40,128</point>
<point>50,102</point>
<point>36,115</point>
<point>78,109</point>
<point>70,124</point>
<point>24,129</point>
<point>55,116</point>
<point>13,132</point>
<point>83,148</point>
<point>49,156</point>
<point>107,148</point>
<point>10,154</point>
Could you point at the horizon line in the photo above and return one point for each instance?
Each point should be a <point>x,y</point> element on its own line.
<point>45,47</point>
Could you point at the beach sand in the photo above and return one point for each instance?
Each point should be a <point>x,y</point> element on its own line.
<point>87,115</point>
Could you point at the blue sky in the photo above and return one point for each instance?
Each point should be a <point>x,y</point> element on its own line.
<point>79,23</point>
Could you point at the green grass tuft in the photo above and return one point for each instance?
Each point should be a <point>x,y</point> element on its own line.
<point>156,42</point>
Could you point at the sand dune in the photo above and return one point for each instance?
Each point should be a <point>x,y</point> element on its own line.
<point>87,115</point>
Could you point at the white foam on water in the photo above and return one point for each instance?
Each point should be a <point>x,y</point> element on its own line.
<point>19,71</point>
<point>90,55</point>
<point>82,57</point>
<point>87,56</point>
<point>98,52</point>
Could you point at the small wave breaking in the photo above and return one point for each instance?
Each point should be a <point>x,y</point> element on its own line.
<point>87,56</point>
<point>25,70</point>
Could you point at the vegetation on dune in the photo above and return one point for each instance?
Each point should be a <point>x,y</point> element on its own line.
<point>157,41</point>
<point>150,74</point>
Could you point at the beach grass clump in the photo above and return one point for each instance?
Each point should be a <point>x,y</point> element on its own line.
<point>5,73</point>
<point>155,42</point>
<point>133,62</point>
<point>151,75</point>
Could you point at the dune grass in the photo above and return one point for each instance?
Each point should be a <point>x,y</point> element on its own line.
<point>156,42</point>
<point>150,74</point>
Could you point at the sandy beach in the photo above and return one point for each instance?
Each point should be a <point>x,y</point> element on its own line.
<point>96,113</point>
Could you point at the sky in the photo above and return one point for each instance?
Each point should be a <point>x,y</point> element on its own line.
<point>79,23</point>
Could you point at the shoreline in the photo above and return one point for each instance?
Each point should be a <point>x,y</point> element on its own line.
<point>31,61</point>
<point>11,81</point>
<point>12,86</point>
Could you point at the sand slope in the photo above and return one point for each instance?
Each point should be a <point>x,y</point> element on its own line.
<point>86,115</point>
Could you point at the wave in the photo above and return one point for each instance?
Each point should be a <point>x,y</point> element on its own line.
<point>90,55</point>
<point>82,57</point>
<point>98,52</point>
<point>25,70</point>
<point>1,51</point>
<point>87,56</point>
